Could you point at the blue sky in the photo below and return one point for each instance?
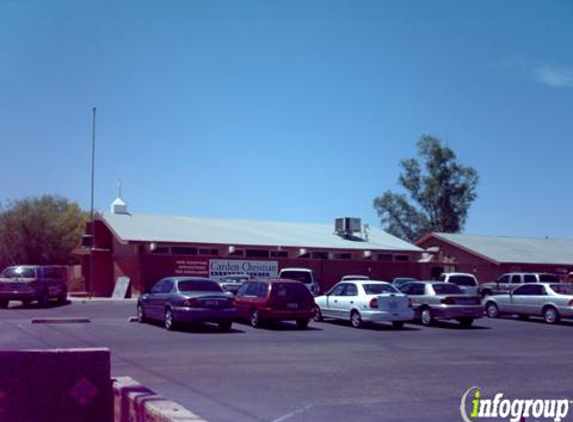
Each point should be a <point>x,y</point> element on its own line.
<point>288,110</point>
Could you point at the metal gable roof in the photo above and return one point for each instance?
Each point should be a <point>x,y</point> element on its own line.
<point>152,228</point>
<point>515,249</point>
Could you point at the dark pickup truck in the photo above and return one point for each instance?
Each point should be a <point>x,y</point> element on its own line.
<point>33,283</point>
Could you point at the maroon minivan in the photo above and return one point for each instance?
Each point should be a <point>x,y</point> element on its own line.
<point>261,301</point>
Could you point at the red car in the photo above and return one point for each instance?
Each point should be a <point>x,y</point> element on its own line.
<point>261,301</point>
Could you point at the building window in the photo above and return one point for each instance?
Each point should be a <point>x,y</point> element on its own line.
<point>279,254</point>
<point>386,257</point>
<point>140,249</point>
<point>160,250</point>
<point>237,252</point>
<point>257,253</point>
<point>402,258</point>
<point>183,250</point>
<point>209,252</point>
<point>343,255</point>
<point>320,255</point>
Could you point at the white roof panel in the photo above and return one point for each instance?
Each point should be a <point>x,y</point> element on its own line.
<point>153,228</point>
<point>515,249</point>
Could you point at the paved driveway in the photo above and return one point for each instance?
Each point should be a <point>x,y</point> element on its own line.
<point>330,372</point>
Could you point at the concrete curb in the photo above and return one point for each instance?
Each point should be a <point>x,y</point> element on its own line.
<point>73,320</point>
<point>134,402</point>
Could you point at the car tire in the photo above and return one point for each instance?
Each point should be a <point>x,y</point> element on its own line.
<point>426,317</point>
<point>317,314</point>
<point>4,303</point>
<point>63,297</point>
<point>43,300</point>
<point>398,324</point>
<point>551,315</point>
<point>255,319</point>
<point>302,324</point>
<point>141,313</point>
<point>492,310</point>
<point>169,321</point>
<point>225,326</point>
<point>466,322</point>
<point>356,319</point>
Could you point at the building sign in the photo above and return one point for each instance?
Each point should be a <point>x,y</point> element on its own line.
<point>255,269</point>
<point>192,267</point>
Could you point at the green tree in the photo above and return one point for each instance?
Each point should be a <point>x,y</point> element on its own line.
<point>439,194</point>
<point>40,230</point>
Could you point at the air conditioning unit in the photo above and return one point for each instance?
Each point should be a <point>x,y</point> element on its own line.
<point>347,226</point>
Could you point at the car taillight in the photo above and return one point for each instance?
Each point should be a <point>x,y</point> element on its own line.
<point>231,301</point>
<point>374,303</point>
<point>191,302</point>
<point>448,301</point>
<point>570,303</point>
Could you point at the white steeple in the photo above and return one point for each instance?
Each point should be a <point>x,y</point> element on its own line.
<point>118,206</point>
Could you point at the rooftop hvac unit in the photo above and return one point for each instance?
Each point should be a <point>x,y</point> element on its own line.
<point>347,226</point>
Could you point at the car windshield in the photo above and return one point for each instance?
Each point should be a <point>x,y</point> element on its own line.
<point>463,280</point>
<point>376,289</point>
<point>446,289</point>
<point>198,286</point>
<point>548,278</point>
<point>562,289</point>
<point>19,272</point>
<point>303,276</point>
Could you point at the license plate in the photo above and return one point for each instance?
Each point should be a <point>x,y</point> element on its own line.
<point>292,305</point>
<point>467,311</point>
<point>54,291</point>
<point>212,303</point>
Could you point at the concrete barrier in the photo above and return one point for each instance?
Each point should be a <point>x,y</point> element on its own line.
<point>136,403</point>
<point>57,385</point>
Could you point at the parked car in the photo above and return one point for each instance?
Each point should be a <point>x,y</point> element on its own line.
<point>400,281</point>
<point>435,300</point>
<point>363,301</point>
<point>505,283</point>
<point>29,283</point>
<point>354,277</point>
<point>304,275</point>
<point>261,301</point>
<point>232,283</point>
<point>466,282</point>
<point>178,300</point>
<point>552,301</point>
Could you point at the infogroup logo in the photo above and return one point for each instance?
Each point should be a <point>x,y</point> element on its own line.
<point>474,406</point>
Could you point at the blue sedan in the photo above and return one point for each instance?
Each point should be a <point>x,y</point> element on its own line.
<point>178,300</point>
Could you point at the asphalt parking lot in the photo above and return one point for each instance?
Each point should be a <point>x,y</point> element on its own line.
<point>330,372</point>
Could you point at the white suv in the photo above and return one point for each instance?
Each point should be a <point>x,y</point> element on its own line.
<point>465,281</point>
<point>304,275</point>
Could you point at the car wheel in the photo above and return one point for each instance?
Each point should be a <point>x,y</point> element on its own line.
<point>43,300</point>
<point>255,319</point>
<point>426,317</point>
<point>4,303</point>
<point>140,313</point>
<point>317,315</point>
<point>356,319</point>
<point>169,321</point>
<point>492,310</point>
<point>551,315</point>
<point>398,324</point>
<point>466,322</point>
<point>225,326</point>
<point>63,297</point>
<point>302,323</point>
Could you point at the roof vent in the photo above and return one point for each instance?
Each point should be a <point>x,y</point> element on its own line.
<point>118,206</point>
<point>347,226</point>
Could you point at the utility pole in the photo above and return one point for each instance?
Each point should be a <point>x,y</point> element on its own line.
<point>89,285</point>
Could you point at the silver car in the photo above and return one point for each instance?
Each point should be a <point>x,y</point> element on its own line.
<point>364,301</point>
<point>552,301</point>
<point>434,300</point>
